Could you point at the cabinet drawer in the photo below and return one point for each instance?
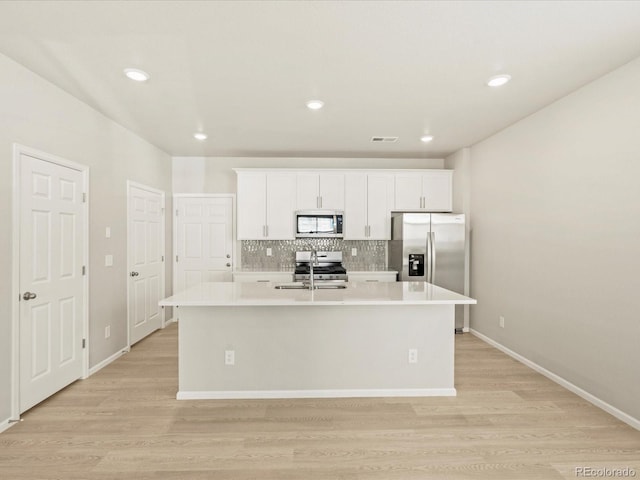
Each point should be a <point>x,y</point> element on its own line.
<point>262,277</point>
<point>372,276</point>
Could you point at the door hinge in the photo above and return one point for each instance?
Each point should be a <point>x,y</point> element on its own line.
<point>162,258</point>
<point>84,343</point>
<point>177,212</point>
<point>176,258</point>
<point>84,197</point>
<point>84,270</point>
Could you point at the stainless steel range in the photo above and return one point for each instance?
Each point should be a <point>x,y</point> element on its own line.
<point>328,267</point>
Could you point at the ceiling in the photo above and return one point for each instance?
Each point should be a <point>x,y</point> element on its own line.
<point>241,71</point>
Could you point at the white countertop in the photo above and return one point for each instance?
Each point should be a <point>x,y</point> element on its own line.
<point>356,293</point>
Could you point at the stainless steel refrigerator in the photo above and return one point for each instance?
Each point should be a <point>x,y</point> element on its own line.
<point>430,247</point>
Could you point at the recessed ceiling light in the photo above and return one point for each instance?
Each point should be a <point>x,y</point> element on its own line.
<point>200,136</point>
<point>137,75</point>
<point>426,138</point>
<point>315,104</point>
<point>498,80</point>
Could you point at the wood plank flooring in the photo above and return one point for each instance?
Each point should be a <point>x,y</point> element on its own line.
<point>507,422</point>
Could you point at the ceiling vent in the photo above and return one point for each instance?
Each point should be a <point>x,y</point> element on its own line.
<point>384,139</point>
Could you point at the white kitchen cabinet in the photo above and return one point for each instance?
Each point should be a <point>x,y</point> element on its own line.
<point>320,190</point>
<point>266,204</point>
<point>373,276</point>
<point>428,191</point>
<point>368,204</point>
<point>276,277</point>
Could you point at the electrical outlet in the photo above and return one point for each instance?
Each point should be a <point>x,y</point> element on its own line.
<point>501,321</point>
<point>108,260</point>
<point>107,331</point>
<point>354,252</point>
<point>413,355</point>
<point>107,232</point>
<point>229,357</point>
<point>269,252</point>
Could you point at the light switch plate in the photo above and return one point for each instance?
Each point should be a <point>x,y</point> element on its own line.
<point>107,232</point>
<point>354,252</point>
<point>108,260</point>
<point>269,252</point>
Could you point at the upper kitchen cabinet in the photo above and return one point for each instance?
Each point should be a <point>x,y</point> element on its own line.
<point>429,191</point>
<point>266,203</point>
<point>368,204</point>
<point>320,190</point>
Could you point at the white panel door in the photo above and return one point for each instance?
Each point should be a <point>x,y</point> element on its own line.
<point>145,234</point>
<point>204,240</point>
<point>52,237</point>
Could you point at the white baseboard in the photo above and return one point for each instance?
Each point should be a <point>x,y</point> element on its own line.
<point>619,414</point>
<point>107,361</point>
<point>5,424</point>
<point>171,320</point>
<point>246,394</point>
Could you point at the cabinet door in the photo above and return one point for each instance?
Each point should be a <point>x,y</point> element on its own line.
<point>408,191</point>
<point>355,206</point>
<point>437,191</point>
<point>332,191</point>
<point>307,191</point>
<point>379,200</point>
<point>251,206</point>
<point>281,205</point>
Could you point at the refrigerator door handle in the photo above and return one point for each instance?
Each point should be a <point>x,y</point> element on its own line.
<point>433,257</point>
<point>427,272</point>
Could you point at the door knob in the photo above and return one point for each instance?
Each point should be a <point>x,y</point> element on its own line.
<point>29,296</point>
<point>228,264</point>
<point>134,274</point>
<point>228,256</point>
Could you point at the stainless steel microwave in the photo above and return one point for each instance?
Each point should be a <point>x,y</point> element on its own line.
<point>319,223</point>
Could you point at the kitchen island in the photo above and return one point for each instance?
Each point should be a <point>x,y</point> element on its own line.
<point>251,340</point>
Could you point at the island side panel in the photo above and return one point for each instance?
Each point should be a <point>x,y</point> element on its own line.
<point>333,351</point>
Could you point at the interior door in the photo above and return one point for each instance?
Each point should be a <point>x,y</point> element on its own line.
<point>52,245</point>
<point>204,240</point>
<point>145,235</point>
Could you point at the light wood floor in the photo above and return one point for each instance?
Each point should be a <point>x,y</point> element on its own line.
<point>507,422</point>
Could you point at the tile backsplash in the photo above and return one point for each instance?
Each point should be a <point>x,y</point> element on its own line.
<point>371,254</point>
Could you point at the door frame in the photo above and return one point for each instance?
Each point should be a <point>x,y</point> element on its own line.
<point>18,151</point>
<point>131,183</point>
<point>234,241</point>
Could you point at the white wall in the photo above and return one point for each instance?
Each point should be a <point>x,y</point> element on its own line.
<point>216,175</point>
<point>37,114</point>
<point>556,231</point>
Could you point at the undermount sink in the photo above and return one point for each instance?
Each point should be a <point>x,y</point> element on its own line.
<point>320,285</point>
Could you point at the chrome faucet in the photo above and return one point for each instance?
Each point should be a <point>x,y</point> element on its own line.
<point>313,261</point>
